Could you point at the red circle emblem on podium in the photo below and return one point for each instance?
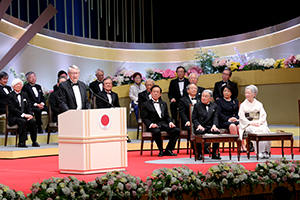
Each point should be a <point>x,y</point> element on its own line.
<point>104,121</point>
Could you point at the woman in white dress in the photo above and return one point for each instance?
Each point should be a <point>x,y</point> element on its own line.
<point>134,91</point>
<point>253,119</point>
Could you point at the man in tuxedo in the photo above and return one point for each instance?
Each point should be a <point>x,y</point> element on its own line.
<point>155,115</point>
<point>193,78</point>
<point>108,98</point>
<point>205,120</point>
<point>176,91</point>
<point>219,85</point>
<point>36,98</point>
<point>145,95</point>
<point>72,93</point>
<point>60,74</point>
<point>97,85</point>
<point>20,113</point>
<point>4,91</point>
<point>53,100</point>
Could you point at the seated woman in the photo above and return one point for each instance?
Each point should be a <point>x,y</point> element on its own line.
<point>228,113</point>
<point>253,119</point>
<point>134,91</point>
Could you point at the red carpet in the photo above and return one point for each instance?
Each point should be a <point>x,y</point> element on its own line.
<point>19,174</point>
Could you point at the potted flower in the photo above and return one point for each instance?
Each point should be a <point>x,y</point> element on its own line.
<point>175,183</point>
<point>116,185</point>
<point>59,188</point>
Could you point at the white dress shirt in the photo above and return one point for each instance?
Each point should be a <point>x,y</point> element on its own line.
<point>135,90</point>
<point>77,96</point>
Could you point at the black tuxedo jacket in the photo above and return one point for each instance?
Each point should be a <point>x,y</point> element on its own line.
<point>218,92</point>
<point>184,109</point>
<point>66,96</point>
<point>102,104</point>
<point>149,114</point>
<point>143,97</point>
<point>32,98</point>
<point>94,86</point>
<point>199,92</point>
<point>53,103</point>
<point>174,91</point>
<point>206,119</point>
<point>3,97</point>
<point>14,109</point>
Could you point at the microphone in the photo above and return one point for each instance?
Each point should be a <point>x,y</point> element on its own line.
<point>96,95</point>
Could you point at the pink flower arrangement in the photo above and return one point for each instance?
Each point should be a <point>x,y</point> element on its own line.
<point>291,61</point>
<point>168,73</point>
<point>218,62</point>
<point>195,69</point>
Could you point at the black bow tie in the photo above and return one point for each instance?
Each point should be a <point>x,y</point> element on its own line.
<point>193,98</point>
<point>155,101</point>
<point>108,92</point>
<point>18,94</point>
<point>32,85</point>
<point>180,80</point>
<point>72,84</point>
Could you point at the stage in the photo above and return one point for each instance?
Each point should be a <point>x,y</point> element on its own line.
<point>23,167</point>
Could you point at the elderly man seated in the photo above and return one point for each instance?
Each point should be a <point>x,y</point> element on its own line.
<point>20,113</point>
<point>205,120</point>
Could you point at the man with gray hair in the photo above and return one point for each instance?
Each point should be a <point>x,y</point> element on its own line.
<point>97,85</point>
<point>72,93</point>
<point>36,98</point>
<point>205,120</point>
<point>193,78</point>
<point>145,95</point>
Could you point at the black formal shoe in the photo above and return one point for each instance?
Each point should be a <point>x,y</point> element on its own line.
<point>35,144</point>
<point>169,153</point>
<point>22,145</point>
<point>206,150</point>
<point>215,156</point>
<point>161,154</point>
<point>128,139</point>
<point>39,129</point>
<point>200,157</point>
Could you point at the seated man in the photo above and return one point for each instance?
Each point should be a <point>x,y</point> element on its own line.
<point>4,91</point>
<point>205,119</point>
<point>108,98</point>
<point>155,115</point>
<point>36,98</point>
<point>20,113</point>
<point>53,100</point>
<point>184,107</point>
<point>219,85</point>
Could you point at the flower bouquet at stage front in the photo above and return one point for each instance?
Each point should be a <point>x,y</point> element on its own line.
<point>9,194</point>
<point>205,60</point>
<point>116,185</point>
<point>229,176</point>
<point>59,188</point>
<point>278,171</point>
<point>174,183</point>
<point>158,74</point>
<point>219,64</point>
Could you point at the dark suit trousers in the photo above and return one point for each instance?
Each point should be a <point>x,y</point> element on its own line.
<point>188,128</point>
<point>38,114</point>
<point>199,145</point>
<point>173,108</point>
<point>174,134</point>
<point>25,126</point>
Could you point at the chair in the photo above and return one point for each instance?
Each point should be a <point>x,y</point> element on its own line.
<point>51,125</point>
<point>148,136</point>
<point>192,134</point>
<point>183,135</point>
<point>11,129</point>
<point>225,131</point>
<point>139,123</point>
<point>94,102</point>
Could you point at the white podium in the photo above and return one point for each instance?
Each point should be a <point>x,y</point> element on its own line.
<point>92,141</point>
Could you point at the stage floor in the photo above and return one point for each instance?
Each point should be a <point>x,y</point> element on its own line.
<point>12,152</point>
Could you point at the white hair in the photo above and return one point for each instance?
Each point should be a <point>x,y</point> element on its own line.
<point>193,73</point>
<point>73,67</point>
<point>149,79</point>
<point>16,81</point>
<point>209,92</point>
<point>253,89</point>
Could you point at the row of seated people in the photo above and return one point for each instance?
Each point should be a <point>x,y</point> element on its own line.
<point>206,117</point>
<point>64,96</point>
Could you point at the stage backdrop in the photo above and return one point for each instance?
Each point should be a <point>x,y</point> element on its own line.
<point>48,52</point>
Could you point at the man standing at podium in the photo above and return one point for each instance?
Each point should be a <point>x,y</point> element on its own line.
<point>156,118</point>
<point>72,93</point>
